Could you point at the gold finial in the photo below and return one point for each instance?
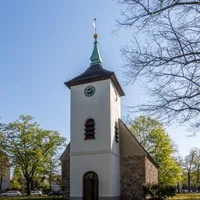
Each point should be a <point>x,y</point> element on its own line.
<point>95,36</point>
<point>95,28</point>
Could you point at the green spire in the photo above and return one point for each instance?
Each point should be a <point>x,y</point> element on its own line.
<point>95,57</point>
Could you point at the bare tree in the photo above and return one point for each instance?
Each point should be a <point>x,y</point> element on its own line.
<point>189,166</point>
<point>165,54</point>
<point>197,167</point>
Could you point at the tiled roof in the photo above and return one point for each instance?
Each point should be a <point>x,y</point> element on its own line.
<point>95,73</point>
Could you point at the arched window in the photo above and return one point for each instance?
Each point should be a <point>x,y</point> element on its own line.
<point>89,129</point>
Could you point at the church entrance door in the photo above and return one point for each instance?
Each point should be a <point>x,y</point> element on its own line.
<point>90,186</point>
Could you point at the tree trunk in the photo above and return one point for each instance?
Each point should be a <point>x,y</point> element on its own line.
<point>28,188</point>
<point>50,182</point>
<point>1,182</point>
<point>50,176</point>
<point>179,187</point>
<point>189,177</point>
<point>198,175</point>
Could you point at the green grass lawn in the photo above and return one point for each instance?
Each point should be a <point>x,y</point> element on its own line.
<point>177,197</point>
<point>187,196</point>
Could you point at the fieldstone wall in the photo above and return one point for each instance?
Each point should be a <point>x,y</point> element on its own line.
<point>132,177</point>
<point>65,166</point>
<point>151,172</point>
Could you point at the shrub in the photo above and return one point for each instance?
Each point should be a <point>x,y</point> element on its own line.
<point>158,191</point>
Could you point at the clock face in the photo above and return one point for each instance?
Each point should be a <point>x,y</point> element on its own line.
<point>89,91</point>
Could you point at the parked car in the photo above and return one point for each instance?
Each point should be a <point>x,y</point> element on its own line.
<point>56,193</point>
<point>13,193</point>
<point>36,193</point>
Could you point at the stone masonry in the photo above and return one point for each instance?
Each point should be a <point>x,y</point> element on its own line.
<point>136,171</point>
<point>132,177</point>
<point>65,166</point>
<point>151,172</point>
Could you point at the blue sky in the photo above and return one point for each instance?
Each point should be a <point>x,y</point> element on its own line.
<point>44,43</point>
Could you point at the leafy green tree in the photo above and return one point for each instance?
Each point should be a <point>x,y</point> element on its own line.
<point>4,166</point>
<point>141,127</point>
<point>17,179</point>
<point>151,134</point>
<point>49,171</point>
<point>4,161</point>
<point>52,170</point>
<point>28,145</point>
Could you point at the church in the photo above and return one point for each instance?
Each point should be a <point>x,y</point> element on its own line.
<point>104,161</point>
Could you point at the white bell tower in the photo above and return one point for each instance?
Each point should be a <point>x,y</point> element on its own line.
<point>94,147</point>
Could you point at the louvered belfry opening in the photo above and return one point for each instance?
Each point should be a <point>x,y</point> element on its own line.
<point>116,132</point>
<point>90,129</point>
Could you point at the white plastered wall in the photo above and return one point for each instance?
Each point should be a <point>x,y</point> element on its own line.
<point>101,154</point>
<point>115,114</point>
<point>91,163</point>
<point>96,107</point>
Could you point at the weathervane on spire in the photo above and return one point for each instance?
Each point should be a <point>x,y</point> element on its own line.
<point>95,57</point>
<point>95,28</point>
